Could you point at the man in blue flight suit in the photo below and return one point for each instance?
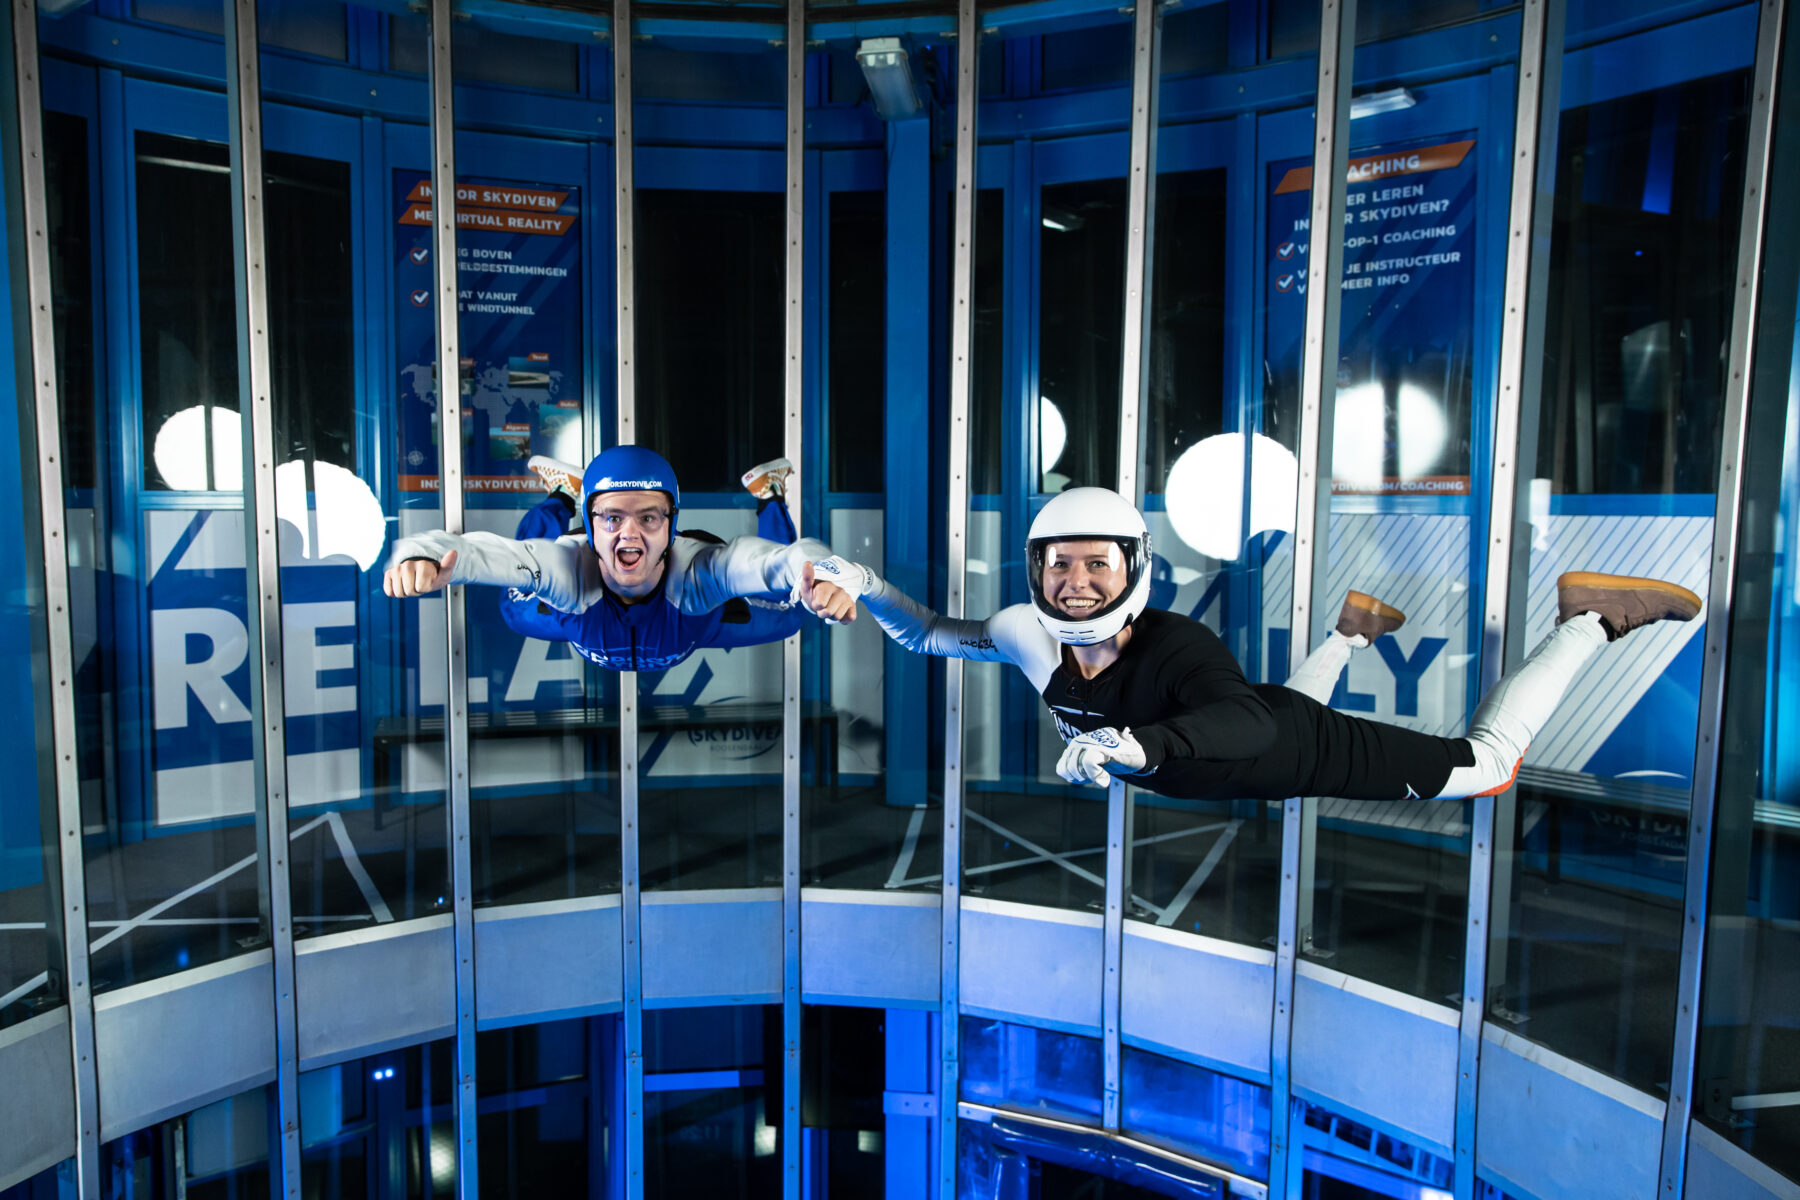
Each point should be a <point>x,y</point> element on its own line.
<point>629,592</point>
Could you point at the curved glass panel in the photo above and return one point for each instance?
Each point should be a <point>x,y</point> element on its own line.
<point>1588,882</point>
<point>712,1102</point>
<point>1217,460</point>
<point>219,1150</point>
<point>1047,355</point>
<point>1385,881</point>
<point>535,334</point>
<point>52,1183</point>
<point>348,237</point>
<point>30,890</point>
<point>549,1120</point>
<point>1032,1070</point>
<point>878,254</point>
<point>155,517</point>
<point>1748,1070</point>
<point>383,1126</point>
<point>710,378</point>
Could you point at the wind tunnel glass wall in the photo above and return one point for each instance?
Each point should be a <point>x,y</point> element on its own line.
<point>52,1183</point>
<point>383,1125</point>
<point>30,894</point>
<point>1747,1070</point>
<point>1385,881</point>
<point>534,229</point>
<point>710,269</point>
<point>712,1102</point>
<point>1588,885</point>
<point>147,335</point>
<point>877,263</point>
<point>1049,278</point>
<point>1216,460</point>
<point>364,676</point>
<point>220,1152</point>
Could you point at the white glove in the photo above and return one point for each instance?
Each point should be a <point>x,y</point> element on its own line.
<point>1096,757</point>
<point>855,579</point>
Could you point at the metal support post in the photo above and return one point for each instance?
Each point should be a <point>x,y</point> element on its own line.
<point>793,391</point>
<point>1312,516</point>
<point>630,893</point>
<point>1728,524</point>
<point>1536,118</point>
<point>28,231</point>
<point>962,283</point>
<point>262,550</point>
<point>450,489</point>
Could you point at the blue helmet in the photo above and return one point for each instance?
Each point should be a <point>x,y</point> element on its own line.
<point>628,469</point>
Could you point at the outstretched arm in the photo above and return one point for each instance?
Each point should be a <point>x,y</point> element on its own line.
<point>561,573</point>
<point>1011,635</point>
<point>703,576</point>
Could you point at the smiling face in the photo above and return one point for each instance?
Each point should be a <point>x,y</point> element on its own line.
<point>1081,578</point>
<point>631,535</point>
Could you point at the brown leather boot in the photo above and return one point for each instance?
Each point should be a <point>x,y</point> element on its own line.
<point>1364,614</point>
<point>1623,602</point>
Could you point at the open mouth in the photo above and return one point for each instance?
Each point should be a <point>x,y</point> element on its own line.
<point>628,558</point>
<point>1080,606</point>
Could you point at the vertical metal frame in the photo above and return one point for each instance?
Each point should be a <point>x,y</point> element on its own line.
<point>34,241</point>
<point>1318,391</point>
<point>630,893</point>
<point>1146,25</point>
<point>243,85</point>
<point>1140,213</point>
<point>962,284</point>
<point>793,379</point>
<point>1537,114</point>
<point>1727,523</point>
<point>450,489</point>
<point>1118,827</point>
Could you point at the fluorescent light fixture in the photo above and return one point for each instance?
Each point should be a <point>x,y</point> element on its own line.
<point>889,76</point>
<point>1062,220</point>
<point>1370,103</point>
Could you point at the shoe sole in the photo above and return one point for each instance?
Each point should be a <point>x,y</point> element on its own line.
<point>1370,604</point>
<point>1687,604</point>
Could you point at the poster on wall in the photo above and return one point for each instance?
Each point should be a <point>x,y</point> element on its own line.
<point>1407,318</point>
<point>519,299</point>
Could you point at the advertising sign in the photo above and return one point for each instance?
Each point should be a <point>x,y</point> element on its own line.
<point>519,300</point>
<point>1407,318</point>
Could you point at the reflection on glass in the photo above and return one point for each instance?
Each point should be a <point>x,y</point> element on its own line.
<point>865,819</point>
<point>380,1125</point>
<point>712,1102</point>
<point>1217,459</point>
<point>711,374</point>
<point>1048,290</point>
<point>1081,254</point>
<point>218,1151</point>
<point>1389,881</point>
<point>52,1183</point>
<point>1587,916</point>
<point>1195,1111</point>
<point>843,1057</point>
<point>159,577</point>
<point>1748,1070</point>
<point>544,732</point>
<point>363,675</point>
<point>547,1123</point>
<point>1030,1069</point>
<point>28,925</point>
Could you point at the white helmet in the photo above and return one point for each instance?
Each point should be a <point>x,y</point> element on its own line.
<point>1090,514</point>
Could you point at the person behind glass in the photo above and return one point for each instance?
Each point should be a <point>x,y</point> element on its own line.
<point>1155,697</point>
<point>626,588</point>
